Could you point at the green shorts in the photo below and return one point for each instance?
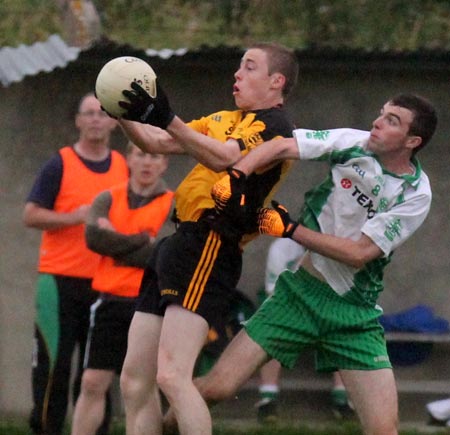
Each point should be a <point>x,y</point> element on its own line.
<point>304,313</point>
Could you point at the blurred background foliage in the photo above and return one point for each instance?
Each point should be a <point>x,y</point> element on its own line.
<point>356,24</point>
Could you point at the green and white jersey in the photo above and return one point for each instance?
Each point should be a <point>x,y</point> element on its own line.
<point>360,196</point>
<point>284,254</point>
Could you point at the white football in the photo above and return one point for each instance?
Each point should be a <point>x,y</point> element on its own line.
<point>117,75</point>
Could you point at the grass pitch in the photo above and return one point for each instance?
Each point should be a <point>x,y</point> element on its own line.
<point>15,427</point>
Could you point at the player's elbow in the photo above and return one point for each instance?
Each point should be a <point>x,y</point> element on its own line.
<point>356,262</point>
<point>360,257</point>
<point>359,253</point>
<point>225,156</point>
<point>285,148</point>
<point>28,215</point>
<point>221,165</point>
<point>26,220</point>
<point>221,162</point>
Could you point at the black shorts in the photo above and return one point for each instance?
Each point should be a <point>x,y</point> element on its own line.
<point>108,332</point>
<point>195,268</point>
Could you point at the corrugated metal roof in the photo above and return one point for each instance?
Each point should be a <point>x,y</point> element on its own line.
<point>18,62</point>
<point>165,53</point>
<point>25,60</point>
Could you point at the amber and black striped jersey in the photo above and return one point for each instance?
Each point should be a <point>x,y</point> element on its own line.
<point>250,129</point>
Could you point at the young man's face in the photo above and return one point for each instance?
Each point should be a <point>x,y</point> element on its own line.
<point>254,87</point>
<point>145,169</point>
<point>390,131</point>
<point>92,122</point>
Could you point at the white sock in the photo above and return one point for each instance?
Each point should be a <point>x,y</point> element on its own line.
<point>440,409</point>
<point>269,389</point>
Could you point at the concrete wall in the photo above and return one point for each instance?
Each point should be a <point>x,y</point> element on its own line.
<point>36,118</point>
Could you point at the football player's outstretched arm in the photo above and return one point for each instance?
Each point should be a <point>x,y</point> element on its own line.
<point>181,139</point>
<point>211,152</point>
<point>269,153</point>
<point>355,253</point>
<point>154,112</point>
<point>150,139</point>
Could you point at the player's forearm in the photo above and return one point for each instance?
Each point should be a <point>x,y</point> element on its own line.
<point>150,139</point>
<point>112,243</point>
<point>44,219</point>
<point>137,258</point>
<point>352,253</point>
<point>210,152</point>
<point>268,153</point>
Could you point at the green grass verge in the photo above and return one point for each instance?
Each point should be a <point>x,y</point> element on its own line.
<point>12,427</point>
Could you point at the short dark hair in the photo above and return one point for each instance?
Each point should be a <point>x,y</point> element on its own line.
<point>89,94</point>
<point>425,118</point>
<point>283,60</point>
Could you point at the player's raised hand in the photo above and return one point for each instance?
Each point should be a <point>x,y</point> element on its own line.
<point>143,108</point>
<point>276,222</point>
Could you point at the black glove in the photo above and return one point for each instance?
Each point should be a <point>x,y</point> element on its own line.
<point>146,109</point>
<point>230,202</point>
<point>276,222</point>
<point>229,192</point>
<point>230,212</point>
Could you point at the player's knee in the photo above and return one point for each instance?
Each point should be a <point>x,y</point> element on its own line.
<point>130,386</point>
<point>92,385</point>
<point>214,389</point>
<point>168,381</point>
